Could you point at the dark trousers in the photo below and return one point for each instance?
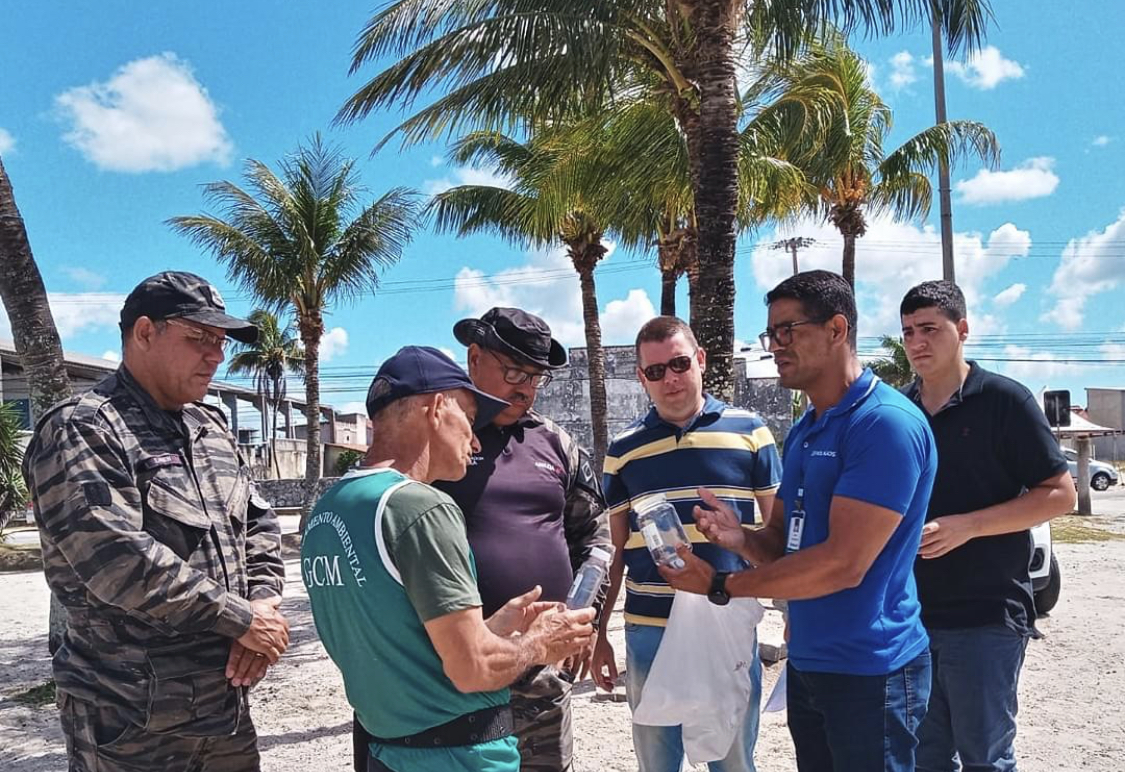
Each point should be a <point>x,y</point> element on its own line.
<point>973,706</point>
<point>850,723</point>
<point>99,739</point>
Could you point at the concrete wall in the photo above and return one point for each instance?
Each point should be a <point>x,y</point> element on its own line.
<point>1106,407</point>
<point>288,494</point>
<point>567,398</point>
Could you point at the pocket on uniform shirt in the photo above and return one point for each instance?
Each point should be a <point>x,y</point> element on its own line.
<point>189,695</point>
<point>173,512</point>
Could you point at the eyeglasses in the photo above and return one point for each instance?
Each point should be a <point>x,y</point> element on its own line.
<point>782,334</point>
<point>201,337</point>
<point>515,376</point>
<point>679,364</point>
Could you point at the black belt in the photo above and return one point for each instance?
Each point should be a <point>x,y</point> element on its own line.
<point>480,726</point>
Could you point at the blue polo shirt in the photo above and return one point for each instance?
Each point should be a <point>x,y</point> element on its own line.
<point>874,446</point>
<point>724,448</point>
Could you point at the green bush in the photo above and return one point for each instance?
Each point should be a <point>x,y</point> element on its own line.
<point>346,461</point>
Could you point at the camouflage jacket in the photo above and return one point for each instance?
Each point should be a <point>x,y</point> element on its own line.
<point>155,541</point>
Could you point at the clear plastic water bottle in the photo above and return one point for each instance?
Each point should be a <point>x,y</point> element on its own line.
<point>660,525</point>
<point>589,579</point>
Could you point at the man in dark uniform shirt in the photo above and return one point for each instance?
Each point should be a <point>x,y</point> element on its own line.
<point>533,508</point>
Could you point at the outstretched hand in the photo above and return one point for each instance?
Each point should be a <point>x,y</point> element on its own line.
<point>719,522</point>
<point>516,615</point>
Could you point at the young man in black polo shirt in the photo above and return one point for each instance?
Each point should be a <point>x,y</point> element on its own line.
<point>1000,472</point>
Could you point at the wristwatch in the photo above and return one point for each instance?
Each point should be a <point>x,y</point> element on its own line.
<point>718,593</point>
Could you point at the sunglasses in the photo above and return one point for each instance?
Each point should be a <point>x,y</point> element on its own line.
<point>515,376</point>
<point>676,364</point>
<point>200,337</point>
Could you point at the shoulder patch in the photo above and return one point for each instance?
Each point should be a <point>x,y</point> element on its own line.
<point>587,479</point>
<point>97,494</point>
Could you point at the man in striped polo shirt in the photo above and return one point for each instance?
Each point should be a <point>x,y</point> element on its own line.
<point>687,440</point>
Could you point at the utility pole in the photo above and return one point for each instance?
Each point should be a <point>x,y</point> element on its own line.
<point>943,168</point>
<point>792,245</point>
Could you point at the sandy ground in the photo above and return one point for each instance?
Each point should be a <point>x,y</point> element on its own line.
<point>1072,694</point>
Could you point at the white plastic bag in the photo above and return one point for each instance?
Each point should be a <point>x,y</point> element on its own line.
<point>700,678</point>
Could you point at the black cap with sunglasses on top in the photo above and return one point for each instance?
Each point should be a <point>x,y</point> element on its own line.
<point>425,370</point>
<point>182,295</point>
<point>524,337</point>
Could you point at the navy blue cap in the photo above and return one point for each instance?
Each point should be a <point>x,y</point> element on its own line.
<point>425,370</point>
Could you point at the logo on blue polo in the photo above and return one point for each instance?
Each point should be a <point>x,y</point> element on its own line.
<point>825,453</point>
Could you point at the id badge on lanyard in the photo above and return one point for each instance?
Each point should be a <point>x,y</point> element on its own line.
<point>796,523</point>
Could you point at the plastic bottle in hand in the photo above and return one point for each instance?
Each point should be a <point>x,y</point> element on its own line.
<point>589,579</point>
<point>662,530</point>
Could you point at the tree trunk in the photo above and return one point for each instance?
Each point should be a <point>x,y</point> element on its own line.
<point>668,281</point>
<point>595,363</point>
<point>312,327</point>
<point>714,167</point>
<point>36,337</point>
<point>849,259</point>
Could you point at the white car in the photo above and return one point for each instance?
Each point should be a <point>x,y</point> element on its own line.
<point>1046,578</point>
<point>1102,475</point>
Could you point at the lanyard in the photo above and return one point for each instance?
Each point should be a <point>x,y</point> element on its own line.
<point>796,520</point>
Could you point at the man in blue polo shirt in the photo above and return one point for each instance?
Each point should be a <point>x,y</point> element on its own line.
<point>840,545</point>
<point>687,440</point>
<point>1000,472</point>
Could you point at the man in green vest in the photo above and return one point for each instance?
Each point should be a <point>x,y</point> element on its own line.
<point>393,589</point>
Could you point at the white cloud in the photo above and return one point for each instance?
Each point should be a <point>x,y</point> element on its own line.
<point>111,355</point>
<point>451,354</point>
<point>985,69</point>
<point>622,318</point>
<point>84,276</point>
<point>893,257</point>
<point>1084,271</point>
<point>1034,178</point>
<point>436,160</point>
<point>1037,369</point>
<point>333,343</point>
<point>869,73</point>
<point>7,142</point>
<point>352,407</point>
<point>467,175</point>
<point>78,312</point>
<point>546,285</point>
<point>1010,295</point>
<point>1101,140</point>
<point>150,115</point>
<point>902,70</point>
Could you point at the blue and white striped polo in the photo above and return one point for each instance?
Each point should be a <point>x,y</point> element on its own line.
<point>724,448</point>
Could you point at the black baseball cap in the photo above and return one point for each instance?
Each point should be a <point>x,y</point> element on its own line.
<point>521,335</point>
<point>183,295</point>
<point>425,370</point>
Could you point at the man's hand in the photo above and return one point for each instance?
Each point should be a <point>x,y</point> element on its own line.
<point>603,664</point>
<point>516,615</point>
<point>563,633</point>
<point>245,667</point>
<point>942,535</point>
<point>719,522</point>
<point>578,664</point>
<point>695,576</point>
<point>269,632</point>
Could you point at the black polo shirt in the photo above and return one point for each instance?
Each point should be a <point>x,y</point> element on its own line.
<point>514,497</point>
<point>993,444</point>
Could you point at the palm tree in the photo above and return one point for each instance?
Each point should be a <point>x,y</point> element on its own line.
<point>268,360</point>
<point>550,201</point>
<point>509,64</point>
<point>848,164</point>
<point>13,489</point>
<point>895,367</point>
<point>36,337</point>
<point>302,241</point>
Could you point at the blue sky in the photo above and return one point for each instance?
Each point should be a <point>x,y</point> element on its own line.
<point>111,118</point>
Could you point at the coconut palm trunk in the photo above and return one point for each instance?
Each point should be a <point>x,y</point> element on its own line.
<point>585,257</point>
<point>668,281</point>
<point>311,327</point>
<point>713,148</point>
<point>33,330</point>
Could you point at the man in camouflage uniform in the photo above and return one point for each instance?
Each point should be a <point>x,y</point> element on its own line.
<point>155,541</point>
<point>533,510</point>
